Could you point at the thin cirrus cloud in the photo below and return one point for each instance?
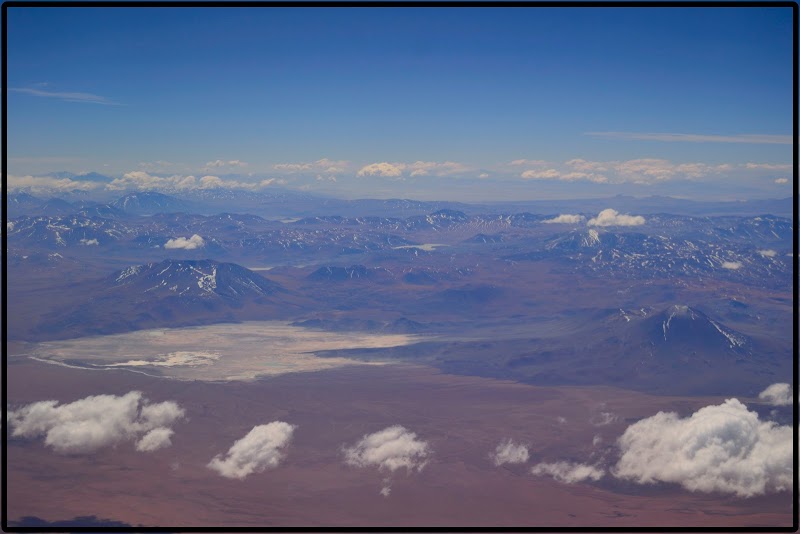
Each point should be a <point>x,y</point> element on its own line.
<point>756,139</point>
<point>262,448</point>
<point>88,98</point>
<point>719,448</point>
<point>97,421</point>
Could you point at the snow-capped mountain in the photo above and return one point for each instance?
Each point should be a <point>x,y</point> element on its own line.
<point>194,278</point>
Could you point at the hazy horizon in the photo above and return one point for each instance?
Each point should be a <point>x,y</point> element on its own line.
<point>489,104</point>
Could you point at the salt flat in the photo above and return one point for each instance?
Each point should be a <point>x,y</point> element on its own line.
<point>241,351</point>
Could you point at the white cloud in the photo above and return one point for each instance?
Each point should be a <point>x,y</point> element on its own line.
<point>391,448</point>
<point>530,162</point>
<point>568,472</point>
<point>732,265</point>
<point>565,218</point>
<point>260,449</point>
<point>545,174</point>
<point>604,418</point>
<point>779,394</point>
<point>323,166</point>
<point>645,171</point>
<point>216,164</point>
<point>187,244</point>
<point>93,422</point>
<point>158,438</point>
<point>446,168</point>
<point>719,448</point>
<point>696,138</point>
<point>781,180</point>
<point>90,242</point>
<point>769,253</point>
<point>483,175</point>
<point>382,169</point>
<point>508,452</point>
<point>418,168</point>
<point>610,217</point>
<point>145,181</point>
<point>572,176</point>
<point>769,166</point>
<point>47,183</point>
<point>597,440</point>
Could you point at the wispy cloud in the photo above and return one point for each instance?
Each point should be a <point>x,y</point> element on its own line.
<point>756,139</point>
<point>89,98</point>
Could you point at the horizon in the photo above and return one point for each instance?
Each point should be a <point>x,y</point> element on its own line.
<point>493,104</point>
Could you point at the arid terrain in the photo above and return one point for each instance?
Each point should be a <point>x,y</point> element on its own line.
<point>463,418</point>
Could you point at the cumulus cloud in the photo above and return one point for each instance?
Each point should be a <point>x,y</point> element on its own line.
<point>96,421</point>
<point>565,218</point>
<point>781,180</point>
<point>187,244</point>
<point>389,449</point>
<point>719,448</point>
<point>90,242</point>
<point>769,253</point>
<point>779,394</point>
<point>417,168</point>
<point>568,472</point>
<point>732,265</point>
<point>260,449</point>
<point>508,452</point>
<point>611,217</point>
<point>382,169</point>
<point>483,175</point>
<point>158,438</point>
<point>144,181</point>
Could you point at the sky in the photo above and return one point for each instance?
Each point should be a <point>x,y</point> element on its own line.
<point>446,103</point>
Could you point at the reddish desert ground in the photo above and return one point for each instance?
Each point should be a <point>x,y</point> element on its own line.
<point>462,418</point>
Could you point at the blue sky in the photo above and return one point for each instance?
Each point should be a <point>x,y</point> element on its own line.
<point>411,102</point>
